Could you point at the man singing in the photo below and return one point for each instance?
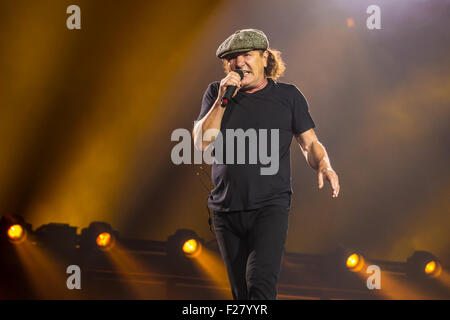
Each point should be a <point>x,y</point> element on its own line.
<point>251,209</point>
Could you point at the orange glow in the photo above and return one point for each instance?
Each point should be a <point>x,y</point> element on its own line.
<point>433,269</point>
<point>445,278</point>
<point>104,239</point>
<point>37,260</point>
<point>430,267</point>
<point>212,265</point>
<point>192,248</point>
<point>355,262</point>
<point>124,262</point>
<point>15,232</point>
<point>99,166</point>
<point>350,22</point>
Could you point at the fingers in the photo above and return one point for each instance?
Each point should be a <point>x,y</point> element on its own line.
<point>333,178</point>
<point>232,79</point>
<point>335,186</point>
<point>336,191</point>
<point>320,176</point>
<point>334,181</point>
<point>235,75</point>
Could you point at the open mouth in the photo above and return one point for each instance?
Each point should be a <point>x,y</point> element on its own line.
<point>246,72</point>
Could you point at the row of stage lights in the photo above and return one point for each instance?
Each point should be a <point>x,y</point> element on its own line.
<point>101,236</point>
<point>420,264</point>
<point>98,236</point>
<point>15,231</point>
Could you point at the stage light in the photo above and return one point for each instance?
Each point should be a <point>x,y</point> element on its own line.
<point>16,232</point>
<point>100,236</point>
<point>355,262</point>
<point>192,248</point>
<point>430,268</point>
<point>423,264</point>
<point>184,243</point>
<point>342,260</point>
<point>13,229</point>
<point>103,239</point>
<point>352,260</point>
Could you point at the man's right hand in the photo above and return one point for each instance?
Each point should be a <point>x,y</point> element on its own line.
<point>232,79</point>
<point>212,120</point>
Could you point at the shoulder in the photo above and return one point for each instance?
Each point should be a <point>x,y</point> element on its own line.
<point>287,87</point>
<point>213,86</point>
<point>211,91</point>
<point>289,90</point>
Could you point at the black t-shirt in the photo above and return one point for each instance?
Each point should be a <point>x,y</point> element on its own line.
<point>242,186</point>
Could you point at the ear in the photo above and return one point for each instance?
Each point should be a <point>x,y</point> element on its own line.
<point>266,57</point>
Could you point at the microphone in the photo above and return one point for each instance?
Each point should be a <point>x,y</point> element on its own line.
<point>230,91</point>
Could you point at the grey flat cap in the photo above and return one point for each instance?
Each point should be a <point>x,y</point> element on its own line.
<point>243,40</point>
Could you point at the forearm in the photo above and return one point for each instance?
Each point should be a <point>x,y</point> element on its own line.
<point>317,156</point>
<point>211,121</point>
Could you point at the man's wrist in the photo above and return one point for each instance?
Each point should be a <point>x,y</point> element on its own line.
<point>325,164</point>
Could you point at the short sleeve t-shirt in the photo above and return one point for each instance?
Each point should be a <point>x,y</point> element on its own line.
<point>279,107</point>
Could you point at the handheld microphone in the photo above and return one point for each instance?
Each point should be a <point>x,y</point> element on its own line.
<point>229,92</point>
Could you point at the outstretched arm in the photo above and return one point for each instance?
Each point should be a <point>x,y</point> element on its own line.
<point>317,157</point>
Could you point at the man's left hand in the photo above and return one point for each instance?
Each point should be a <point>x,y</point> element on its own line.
<point>329,174</point>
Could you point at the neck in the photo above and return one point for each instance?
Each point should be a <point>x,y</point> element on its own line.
<point>259,86</point>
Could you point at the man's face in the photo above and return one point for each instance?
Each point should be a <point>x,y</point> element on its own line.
<point>252,63</point>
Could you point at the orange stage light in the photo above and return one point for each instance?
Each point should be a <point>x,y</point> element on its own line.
<point>192,248</point>
<point>355,262</point>
<point>15,232</point>
<point>103,239</point>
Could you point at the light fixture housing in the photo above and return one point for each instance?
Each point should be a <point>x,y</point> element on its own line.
<point>184,243</point>
<point>355,261</point>
<point>14,229</point>
<point>99,236</point>
<point>423,264</point>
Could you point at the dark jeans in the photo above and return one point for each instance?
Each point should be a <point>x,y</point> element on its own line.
<point>251,243</point>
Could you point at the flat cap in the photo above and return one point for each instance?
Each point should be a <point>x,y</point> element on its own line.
<point>243,40</point>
